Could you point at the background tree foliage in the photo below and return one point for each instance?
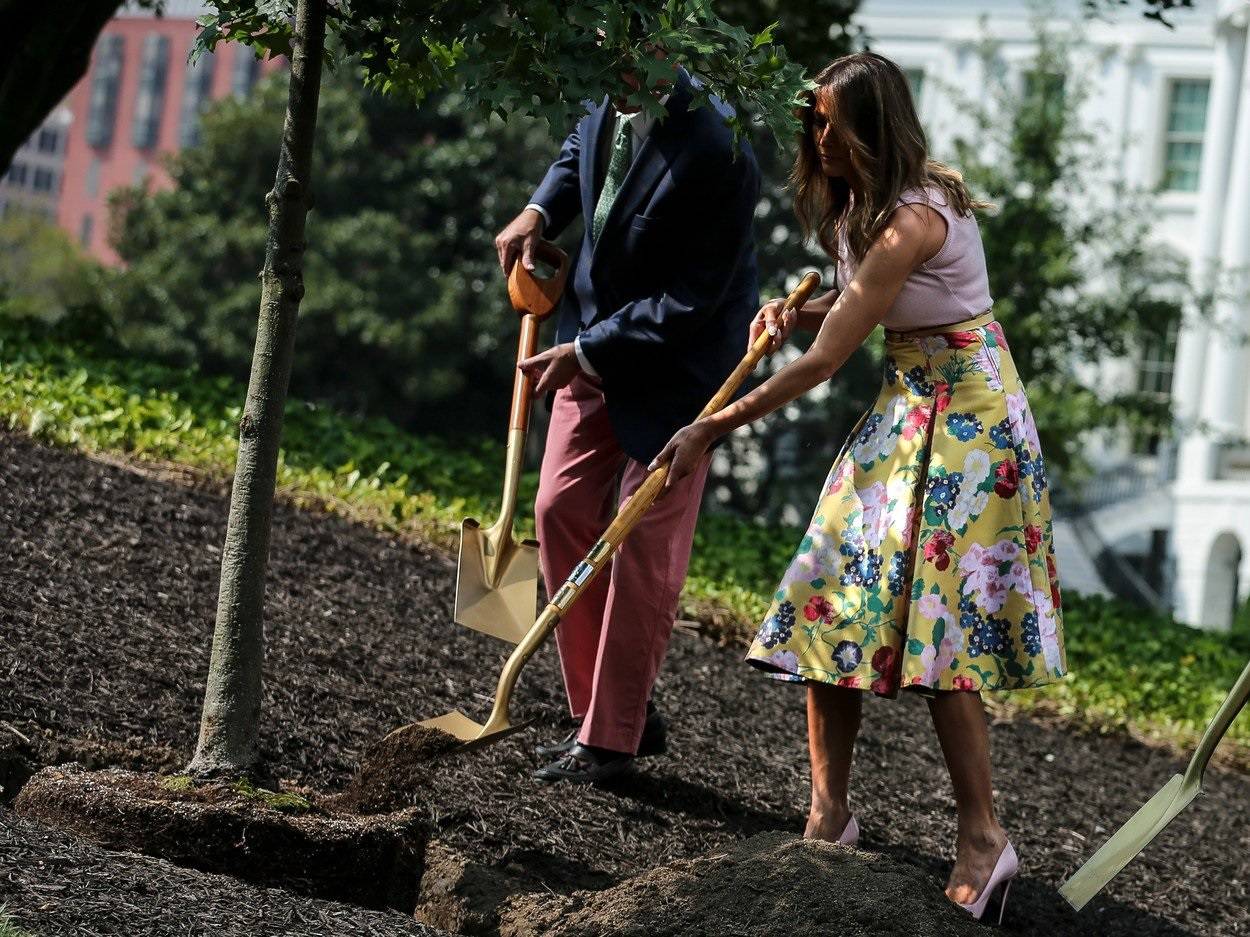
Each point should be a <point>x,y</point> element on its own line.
<point>542,58</point>
<point>404,315</point>
<point>1075,277</point>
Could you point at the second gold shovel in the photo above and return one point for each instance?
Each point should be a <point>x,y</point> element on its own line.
<point>497,575</point>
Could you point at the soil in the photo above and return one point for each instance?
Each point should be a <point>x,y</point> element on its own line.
<point>748,891</point>
<point>106,611</point>
<point>376,862</point>
<point>395,766</point>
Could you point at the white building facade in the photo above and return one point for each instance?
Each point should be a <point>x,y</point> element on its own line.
<point>1173,105</point>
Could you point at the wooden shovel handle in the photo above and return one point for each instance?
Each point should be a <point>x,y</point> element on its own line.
<point>522,386</point>
<point>537,296</point>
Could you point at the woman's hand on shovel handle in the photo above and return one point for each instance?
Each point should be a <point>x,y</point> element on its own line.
<point>772,319</point>
<point>684,451</point>
<point>551,369</point>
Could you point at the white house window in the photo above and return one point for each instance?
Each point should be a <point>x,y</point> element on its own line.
<point>1154,377</point>
<point>1182,146</point>
<point>1046,89</point>
<point>1157,364</point>
<point>915,81</point>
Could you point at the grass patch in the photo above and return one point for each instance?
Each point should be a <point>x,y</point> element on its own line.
<point>8,927</point>
<point>284,801</point>
<point>178,784</point>
<point>1130,668</point>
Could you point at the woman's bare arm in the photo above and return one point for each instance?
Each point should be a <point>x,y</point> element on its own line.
<point>855,312</point>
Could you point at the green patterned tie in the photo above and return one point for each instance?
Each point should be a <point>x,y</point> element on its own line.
<point>618,166</point>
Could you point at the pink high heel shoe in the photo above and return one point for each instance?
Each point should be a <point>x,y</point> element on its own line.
<point>1000,881</point>
<point>850,833</point>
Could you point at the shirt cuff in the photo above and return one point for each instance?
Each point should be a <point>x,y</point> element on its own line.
<point>582,360</point>
<point>542,211</point>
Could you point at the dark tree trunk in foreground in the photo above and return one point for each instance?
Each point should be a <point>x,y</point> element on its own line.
<point>227,744</point>
<point>45,47</point>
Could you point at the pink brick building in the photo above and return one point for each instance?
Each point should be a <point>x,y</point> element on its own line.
<point>140,101</point>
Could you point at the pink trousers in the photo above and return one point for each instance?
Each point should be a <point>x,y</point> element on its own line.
<point>613,639</point>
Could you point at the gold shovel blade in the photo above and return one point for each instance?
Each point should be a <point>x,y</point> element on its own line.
<point>505,605</point>
<point>472,734</point>
<point>1128,841</point>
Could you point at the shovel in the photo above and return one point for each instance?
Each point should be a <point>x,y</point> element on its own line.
<point>1158,812</point>
<point>497,575</point>
<point>499,725</point>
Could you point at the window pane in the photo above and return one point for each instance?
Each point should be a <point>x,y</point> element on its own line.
<point>1183,160</point>
<point>1187,117</point>
<point>84,231</point>
<point>196,93</point>
<point>246,71</point>
<point>150,100</point>
<point>915,80</point>
<point>105,84</point>
<point>93,177</point>
<point>1187,111</point>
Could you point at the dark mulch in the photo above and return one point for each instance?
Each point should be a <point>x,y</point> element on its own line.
<point>107,610</point>
<point>55,884</point>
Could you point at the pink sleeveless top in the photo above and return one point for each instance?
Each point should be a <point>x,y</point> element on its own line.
<point>950,286</point>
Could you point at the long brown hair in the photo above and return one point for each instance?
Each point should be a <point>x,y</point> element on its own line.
<point>870,102</point>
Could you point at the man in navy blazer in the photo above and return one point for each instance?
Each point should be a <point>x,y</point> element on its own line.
<point>655,316</point>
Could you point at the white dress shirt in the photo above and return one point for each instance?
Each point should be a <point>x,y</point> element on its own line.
<point>640,122</point>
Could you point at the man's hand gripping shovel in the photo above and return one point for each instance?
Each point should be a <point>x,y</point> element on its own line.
<point>499,724</point>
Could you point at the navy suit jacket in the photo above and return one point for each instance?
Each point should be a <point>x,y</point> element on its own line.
<point>663,300</point>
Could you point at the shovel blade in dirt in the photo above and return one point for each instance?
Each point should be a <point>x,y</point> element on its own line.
<point>497,576</point>
<point>471,733</point>
<point>1129,840</point>
<point>496,583</point>
<point>1159,811</point>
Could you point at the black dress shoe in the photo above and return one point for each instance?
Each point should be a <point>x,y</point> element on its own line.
<point>584,764</point>
<point>556,749</point>
<point>654,739</point>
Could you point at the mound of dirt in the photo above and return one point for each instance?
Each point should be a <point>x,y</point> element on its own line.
<point>769,884</point>
<point>375,861</point>
<point>395,770</point>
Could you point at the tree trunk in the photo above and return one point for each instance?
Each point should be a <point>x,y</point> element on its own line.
<point>228,727</point>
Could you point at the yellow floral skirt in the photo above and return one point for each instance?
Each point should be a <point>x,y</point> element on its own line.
<point>928,563</point>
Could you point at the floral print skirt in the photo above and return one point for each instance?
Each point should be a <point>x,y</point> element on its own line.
<point>928,563</point>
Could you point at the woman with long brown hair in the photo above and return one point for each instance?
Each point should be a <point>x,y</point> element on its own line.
<point>928,565</point>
